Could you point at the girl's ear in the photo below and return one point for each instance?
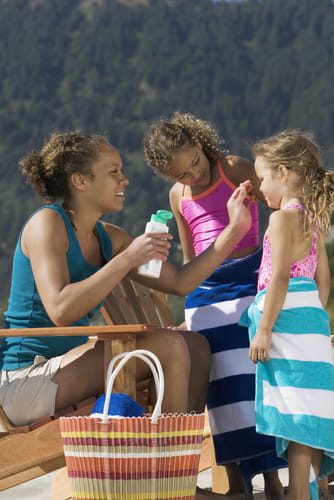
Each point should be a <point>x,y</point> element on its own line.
<point>79,181</point>
<point>283,172</point>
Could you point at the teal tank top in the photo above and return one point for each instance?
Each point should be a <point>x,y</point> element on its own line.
<point>26,310</point>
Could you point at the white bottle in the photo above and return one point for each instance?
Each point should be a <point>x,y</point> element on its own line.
<point>157,224</point>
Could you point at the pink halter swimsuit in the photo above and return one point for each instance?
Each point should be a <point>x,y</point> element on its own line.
<point>304,268</point>
<point>206,215</point>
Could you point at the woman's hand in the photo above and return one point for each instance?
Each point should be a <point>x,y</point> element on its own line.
<point>238,206</point>
<point>148,246</point>
<point>259,349</point>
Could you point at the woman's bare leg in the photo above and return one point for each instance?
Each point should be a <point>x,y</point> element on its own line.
<point>81,374</point>
<point>185,363</point>
<point>200,355</point>
<point>185,358</point>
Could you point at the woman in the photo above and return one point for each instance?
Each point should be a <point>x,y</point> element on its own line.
<point>67,261</point>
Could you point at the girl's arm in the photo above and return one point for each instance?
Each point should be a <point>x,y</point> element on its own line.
<point>281,232</point>
<point>182,226</point>
<point>322,273</point>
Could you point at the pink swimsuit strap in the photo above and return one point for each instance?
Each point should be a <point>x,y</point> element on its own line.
<point>293,205</point>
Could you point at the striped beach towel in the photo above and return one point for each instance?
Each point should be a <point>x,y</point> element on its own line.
<point>295,388</point>
<point>214,309</point>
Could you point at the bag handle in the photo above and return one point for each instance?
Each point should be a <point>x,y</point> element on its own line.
<point>152,361</point>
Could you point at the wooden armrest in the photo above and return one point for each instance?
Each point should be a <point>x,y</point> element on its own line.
<point>117,338</point>
<point>102,332</point>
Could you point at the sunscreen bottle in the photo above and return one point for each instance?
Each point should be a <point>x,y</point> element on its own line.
<point>157,224</point>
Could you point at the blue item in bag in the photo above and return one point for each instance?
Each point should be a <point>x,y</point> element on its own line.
<point>119,405</point>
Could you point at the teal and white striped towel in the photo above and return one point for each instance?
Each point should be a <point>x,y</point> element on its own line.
<point>295,389</point>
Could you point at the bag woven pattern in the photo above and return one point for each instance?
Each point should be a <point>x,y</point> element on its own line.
<point>133,458</point>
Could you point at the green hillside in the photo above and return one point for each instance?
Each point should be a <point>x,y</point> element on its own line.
<point>112,67</point>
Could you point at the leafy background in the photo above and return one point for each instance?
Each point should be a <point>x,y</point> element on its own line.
<point>251,67</point>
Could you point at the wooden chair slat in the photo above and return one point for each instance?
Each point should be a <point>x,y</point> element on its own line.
<point>26,456</point>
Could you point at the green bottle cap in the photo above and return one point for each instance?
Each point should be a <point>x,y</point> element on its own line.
<point>161,216</point>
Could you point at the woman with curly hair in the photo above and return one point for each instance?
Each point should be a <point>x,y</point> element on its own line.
<point>67,261</point>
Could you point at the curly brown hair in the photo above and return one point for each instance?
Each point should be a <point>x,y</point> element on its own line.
<point>166,137</point>
<point>298,151</point>
<point>63,153</point>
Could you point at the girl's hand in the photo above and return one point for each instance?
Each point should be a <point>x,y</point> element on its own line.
<point>148,246</point>
<point>238,206</point>
<point>259,349</point>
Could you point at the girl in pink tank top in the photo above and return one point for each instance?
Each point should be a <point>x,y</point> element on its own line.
<point>188,152</point>
<point>294,286</point>
<point>206,215</point>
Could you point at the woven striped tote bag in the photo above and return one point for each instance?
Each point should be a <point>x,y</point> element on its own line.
<point>155,456</point>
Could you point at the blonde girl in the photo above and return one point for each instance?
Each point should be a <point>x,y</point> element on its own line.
<point>289,326</point>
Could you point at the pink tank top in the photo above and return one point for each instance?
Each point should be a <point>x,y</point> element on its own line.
<point>206,215</point>
<point>304,268</point>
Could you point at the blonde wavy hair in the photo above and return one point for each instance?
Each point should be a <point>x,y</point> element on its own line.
<point>298,152</point>
<point>166,137</point>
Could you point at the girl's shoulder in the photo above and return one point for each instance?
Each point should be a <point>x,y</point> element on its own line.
<point>175,195</point>
<point>235,161</point>
<point>237,169</point>
<point>284,220</point>
<point>176,189</point>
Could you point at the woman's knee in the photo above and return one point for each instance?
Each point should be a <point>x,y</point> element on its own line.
<point>178,351</point>
<point>199,349</point>
<point>170,347</point>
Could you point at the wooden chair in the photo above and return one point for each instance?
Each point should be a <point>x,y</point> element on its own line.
<point>31,451</point>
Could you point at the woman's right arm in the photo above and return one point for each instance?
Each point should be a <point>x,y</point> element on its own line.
<point>45,242</point>
<point>182,280</point>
